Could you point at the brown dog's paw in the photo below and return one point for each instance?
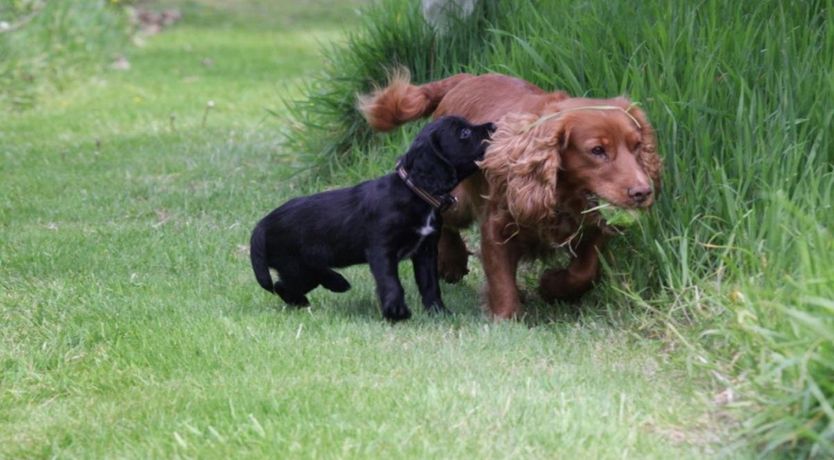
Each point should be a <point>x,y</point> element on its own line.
<point>557,284</point>
<point>452,257</point>
<point>452,271</point>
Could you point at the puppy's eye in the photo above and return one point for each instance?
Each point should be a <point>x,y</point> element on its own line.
<point>465,133</point>
<point>598,151</point>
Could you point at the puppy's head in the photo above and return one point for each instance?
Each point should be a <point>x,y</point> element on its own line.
<point>444,153</point>
<point>598,148</point>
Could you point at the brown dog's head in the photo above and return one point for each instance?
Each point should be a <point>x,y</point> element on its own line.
<point>599,147</point>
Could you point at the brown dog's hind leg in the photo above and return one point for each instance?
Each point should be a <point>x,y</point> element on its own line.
<point>579,276</point>
<point>452,256</point>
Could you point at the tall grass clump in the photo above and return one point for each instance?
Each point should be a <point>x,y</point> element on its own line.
<point>738,249</point>
<point>391,34</point>
<point>46,44</point>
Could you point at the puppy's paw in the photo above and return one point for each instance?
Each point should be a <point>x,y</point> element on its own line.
<point>335,282</point>
<point>302,301</point>
<point>291,298</point>
<point>297,301</point>
<point>396,312</point>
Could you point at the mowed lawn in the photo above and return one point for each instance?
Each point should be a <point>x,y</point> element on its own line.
<point>131,325</point>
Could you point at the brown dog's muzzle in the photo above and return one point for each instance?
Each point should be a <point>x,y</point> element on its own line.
<point>640,195</point>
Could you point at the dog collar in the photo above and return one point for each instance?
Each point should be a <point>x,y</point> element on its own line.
<point>441,203</point>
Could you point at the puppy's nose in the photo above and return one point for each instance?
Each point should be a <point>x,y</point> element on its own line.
<point>491,127</point>
<point>640,193</point>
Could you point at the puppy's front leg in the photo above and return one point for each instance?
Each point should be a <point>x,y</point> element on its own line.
<point>384,268</point>
<point>425,273</point>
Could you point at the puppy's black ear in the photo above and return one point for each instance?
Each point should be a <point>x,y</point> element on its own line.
<point>427,165</point>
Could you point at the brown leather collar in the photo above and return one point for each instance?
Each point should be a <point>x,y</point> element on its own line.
<point>441,203</point>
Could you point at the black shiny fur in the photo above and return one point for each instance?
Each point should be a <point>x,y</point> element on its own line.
<point>377,222</point>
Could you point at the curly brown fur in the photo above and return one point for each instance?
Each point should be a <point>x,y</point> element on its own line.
<point>521,167</point>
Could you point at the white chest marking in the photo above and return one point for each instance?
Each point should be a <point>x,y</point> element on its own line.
<point>424,231</point>
<point>427,229</point>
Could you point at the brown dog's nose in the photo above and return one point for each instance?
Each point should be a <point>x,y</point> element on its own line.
<point>640,194</point>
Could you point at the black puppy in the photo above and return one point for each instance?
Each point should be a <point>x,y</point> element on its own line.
<point>378,222</point>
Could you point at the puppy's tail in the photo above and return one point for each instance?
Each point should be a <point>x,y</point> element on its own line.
<point>257,254</point>
<point>400,101</point>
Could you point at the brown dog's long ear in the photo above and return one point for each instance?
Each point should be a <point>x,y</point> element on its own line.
<point>521,165</point>
<point>647,158</point>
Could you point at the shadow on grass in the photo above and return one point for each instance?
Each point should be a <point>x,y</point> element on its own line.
<point>464,300</point>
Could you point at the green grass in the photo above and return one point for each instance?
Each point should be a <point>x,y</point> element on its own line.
<point>738,249</point>
<point>48,45</point>
<point>131,325</point>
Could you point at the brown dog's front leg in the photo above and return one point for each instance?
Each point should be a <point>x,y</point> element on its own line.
<point>452,256</point>
<point>571,282</point>
<point>501,254</point>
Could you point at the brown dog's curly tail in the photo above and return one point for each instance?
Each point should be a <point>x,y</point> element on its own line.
<point>257,255</point>
<point>400,101</point>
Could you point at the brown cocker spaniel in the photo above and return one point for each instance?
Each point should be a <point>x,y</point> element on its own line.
<point>552,157</point>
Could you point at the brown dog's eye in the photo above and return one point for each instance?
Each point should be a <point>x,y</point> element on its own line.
<point>598,151</point>
<point>465,133</point>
